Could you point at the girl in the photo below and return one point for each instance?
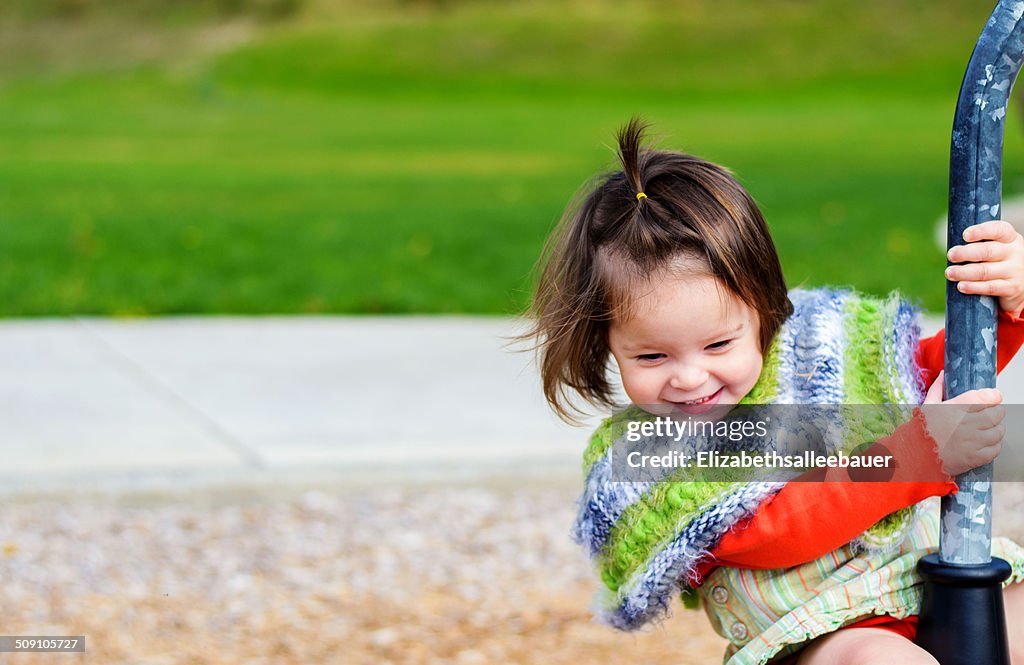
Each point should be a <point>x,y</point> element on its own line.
<point>667,266</point>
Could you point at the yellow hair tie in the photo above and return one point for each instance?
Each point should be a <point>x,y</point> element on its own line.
<point>640,195</point>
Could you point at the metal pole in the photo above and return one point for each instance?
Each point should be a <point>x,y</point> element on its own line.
<point>975,196</point>
<point>962,619</point>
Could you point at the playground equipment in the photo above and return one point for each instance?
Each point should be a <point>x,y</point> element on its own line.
<point>962,619</point>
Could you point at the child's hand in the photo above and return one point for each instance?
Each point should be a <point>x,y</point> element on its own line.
<point>968,428</point>
<point>994,258</point>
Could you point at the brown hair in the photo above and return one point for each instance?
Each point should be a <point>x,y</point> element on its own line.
<point>661,206</point>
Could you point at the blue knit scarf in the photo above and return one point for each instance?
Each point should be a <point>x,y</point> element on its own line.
<point>646,538</point>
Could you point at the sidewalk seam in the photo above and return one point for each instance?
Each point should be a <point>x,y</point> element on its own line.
<point>163,392</point>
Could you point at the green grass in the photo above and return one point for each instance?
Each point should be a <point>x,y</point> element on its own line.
<point>413,160</point>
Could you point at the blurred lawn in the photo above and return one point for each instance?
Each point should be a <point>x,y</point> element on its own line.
<point>367,158</point>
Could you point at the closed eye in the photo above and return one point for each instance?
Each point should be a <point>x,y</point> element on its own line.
<point>719,345</point>
<point>651,356</point>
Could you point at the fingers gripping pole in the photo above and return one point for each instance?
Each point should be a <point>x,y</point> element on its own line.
<point>975,196</point>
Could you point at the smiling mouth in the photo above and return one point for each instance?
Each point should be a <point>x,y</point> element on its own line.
<point>702,400</point>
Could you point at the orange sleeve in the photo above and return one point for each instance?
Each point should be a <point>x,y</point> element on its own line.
<point>809,519</point>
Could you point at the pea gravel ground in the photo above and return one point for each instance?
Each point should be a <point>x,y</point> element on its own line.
<point>465,575</point>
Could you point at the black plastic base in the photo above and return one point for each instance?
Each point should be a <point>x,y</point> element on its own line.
<point>962,621</point>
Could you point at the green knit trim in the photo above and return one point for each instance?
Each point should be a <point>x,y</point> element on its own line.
<point>863,355</point>
<point>862,382</point>
<point>889,531</point>
<point>646,526</point>
<point>608,432</point>
<point>871,375</point>
<point>600,441</point>
<point>767,386</point>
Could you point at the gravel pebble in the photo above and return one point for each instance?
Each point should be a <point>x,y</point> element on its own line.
<point>415,575</point>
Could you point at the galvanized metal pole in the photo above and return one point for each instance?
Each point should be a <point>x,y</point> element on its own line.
<point>975,196</point>
<point>962,620</point>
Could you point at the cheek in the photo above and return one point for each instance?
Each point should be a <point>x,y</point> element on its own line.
<point>742,369</point>
<point>752,368</point>
<point>642,387</point>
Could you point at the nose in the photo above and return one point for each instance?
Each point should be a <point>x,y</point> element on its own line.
<point>688,377</point>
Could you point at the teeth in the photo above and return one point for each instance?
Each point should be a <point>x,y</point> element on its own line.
<point>699,401</point>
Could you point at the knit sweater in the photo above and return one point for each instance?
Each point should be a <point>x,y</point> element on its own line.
<point>648,537</point>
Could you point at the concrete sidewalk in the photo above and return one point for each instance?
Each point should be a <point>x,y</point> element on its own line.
<point>167,404</point>
<point>97,404</point>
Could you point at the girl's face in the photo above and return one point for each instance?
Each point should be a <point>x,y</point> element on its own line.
<point>691,345</point>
